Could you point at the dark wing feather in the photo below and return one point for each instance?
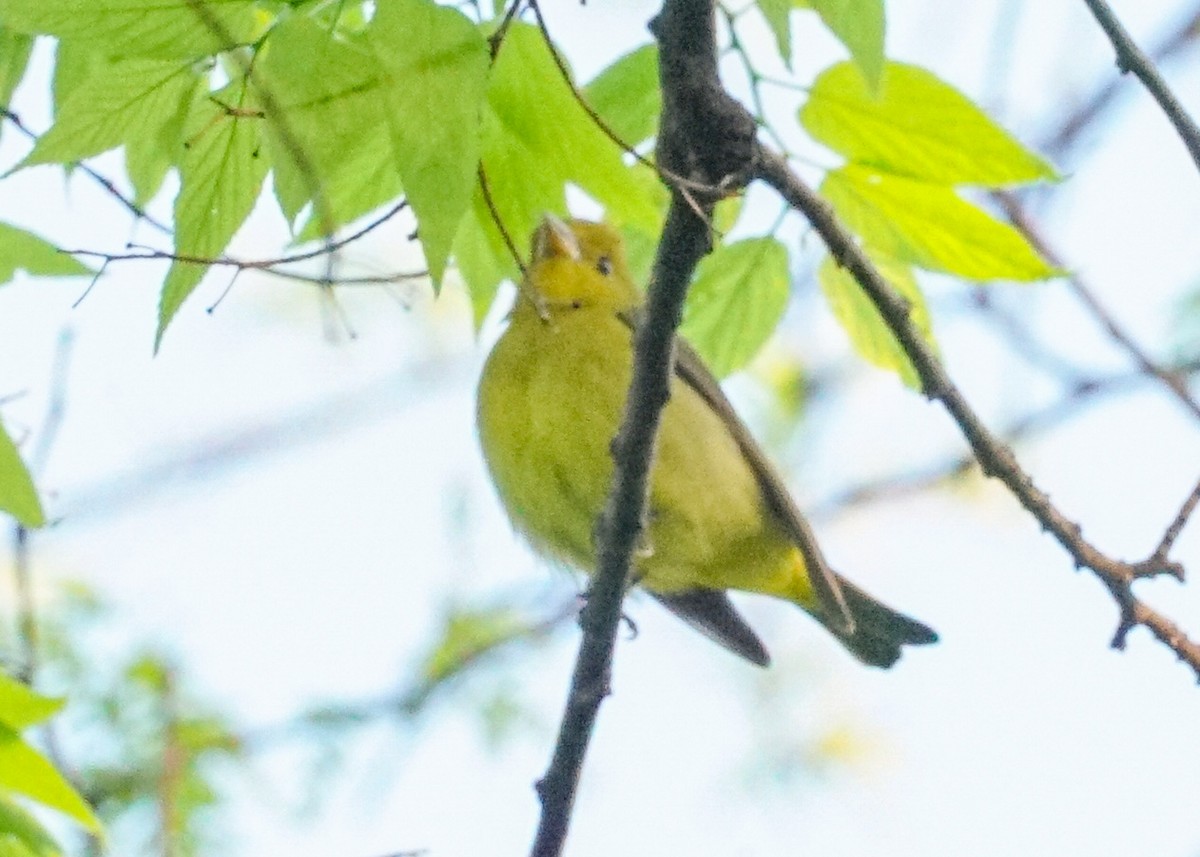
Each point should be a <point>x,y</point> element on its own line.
<point>691,370</point>
<point>711,613</point>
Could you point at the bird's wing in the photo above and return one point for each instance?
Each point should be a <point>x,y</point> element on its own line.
<point>711,613</point>
<point>690,369</point>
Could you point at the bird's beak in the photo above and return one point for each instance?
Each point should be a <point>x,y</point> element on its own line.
<point>555,238</point>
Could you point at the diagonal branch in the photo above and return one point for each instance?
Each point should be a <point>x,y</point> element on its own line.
<point>1131,58</point>
<point>1069,131</point>
<point>1176,383</point>
<point>706,137</point>
<point>106,183</point>
<point>995,457</point>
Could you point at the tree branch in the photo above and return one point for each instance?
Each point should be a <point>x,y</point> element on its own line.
<point>1085,392</point>
<point>1068,132</point>
<point>1131,58</point>
<point>1026,226</point>
<point>706,137</point>
<point>136,210</point>
<point>994,456</point>
<point>273,265</point>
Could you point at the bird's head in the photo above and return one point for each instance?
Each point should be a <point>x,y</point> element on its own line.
<point>577,263</point>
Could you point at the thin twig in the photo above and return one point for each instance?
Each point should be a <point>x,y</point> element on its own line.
<point>268,265</point>
<point>1084,392</point>
<point>1150,566</point>
<point>994,456</point>
<point>498,221</point>
<point>27,624</point>
<point>104,182</point>
<point>670,178</point>
<point>1131,58</point>
<point>1069,131</point>
<point>275,114</point>
<point>1021,219</point>
<point>706,134</point>
<point>496,39</point>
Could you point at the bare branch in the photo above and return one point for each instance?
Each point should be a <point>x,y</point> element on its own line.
<point>1024,223</point>
<point>707,137</point>
<point>274,265</point>
<point>994,456</point>
<point>104,182</point>
<point>1092,108</point>
<point>1131,59</point>
<point>274,113</point>
<point>1084,392</point>
<point>1157,563</point>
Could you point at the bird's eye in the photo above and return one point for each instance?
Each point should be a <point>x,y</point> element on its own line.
<point>604,265</point>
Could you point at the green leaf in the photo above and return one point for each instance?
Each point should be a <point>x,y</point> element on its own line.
<point>329,92</point>
<point>21,835</point>
<point>859,25</point>
<point>627,95</point>
<point>467,633</point>
<point>536,139</point>
<point>363,184</point>
<point>871,336</point>
<point>437,63</point>
<point>221,175</point>
<point>736,301</point>
<point>21,707</point>
<point>165,29</point>
<point>917,126</point>
<point>72,67</point>
<point>25,771</point>
<point>778,15</point>
<point>134,101</point>
<point>149,157</point>
<point>24,251</point>
<point>14,56</point>
<point>930,226</point>
<point>18,497</point>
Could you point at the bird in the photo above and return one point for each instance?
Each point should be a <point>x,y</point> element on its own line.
<point>719,517</point>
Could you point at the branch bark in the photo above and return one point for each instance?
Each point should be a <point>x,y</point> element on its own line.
<point>706,138</point>
<point>1130,58</point>
<point>993,455</point>
<point>1176,384</point>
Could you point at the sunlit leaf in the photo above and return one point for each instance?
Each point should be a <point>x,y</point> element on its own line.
<point>917,126</point>
<point>175,29</point>
<point>868,332</point>
<point>627,95</point>
<point>133,101</point>
<point>72,67</point>
<point>26,772</point>
<point>21,707</point>
<point>329,91</point>
<point>465,635</point>
<point>930,226</point>
<point>859,25</point>
<point>221,175</point>
<point>24,251</point>
<point>736,301</point>
<point>536,139</point>
<point>437,62</point>
<point>21,835</point>
<point>778,15</point>
<point>18,497</point>
<point>14,57</point>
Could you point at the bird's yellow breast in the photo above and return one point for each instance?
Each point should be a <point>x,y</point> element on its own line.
<point>550,403</point>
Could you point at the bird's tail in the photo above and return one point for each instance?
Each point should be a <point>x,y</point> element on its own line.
<point>879,631</point>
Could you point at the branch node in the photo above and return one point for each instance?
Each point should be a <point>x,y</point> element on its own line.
<point>1157,566</point>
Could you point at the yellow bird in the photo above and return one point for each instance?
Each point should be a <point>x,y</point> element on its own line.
<point>550,403</point>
